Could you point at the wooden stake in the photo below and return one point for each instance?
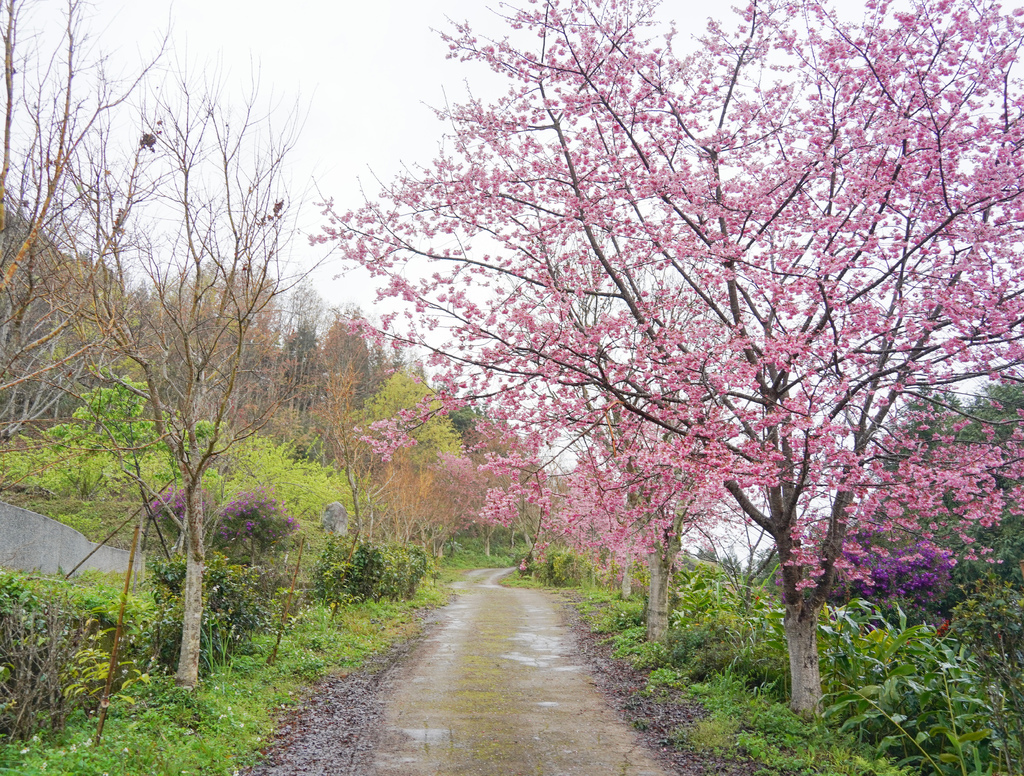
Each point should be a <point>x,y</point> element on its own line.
<point>105,698</point>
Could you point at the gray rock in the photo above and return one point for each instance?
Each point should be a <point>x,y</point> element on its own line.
<point>335,519</point>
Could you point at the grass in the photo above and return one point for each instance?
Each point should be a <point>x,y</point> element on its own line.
<point>766,731</point>
<point>222,726</point>
<point>516,579</point>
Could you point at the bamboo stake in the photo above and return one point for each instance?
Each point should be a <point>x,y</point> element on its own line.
<point>102,544</point>
<point>287,605</point>
<point>105,698</point>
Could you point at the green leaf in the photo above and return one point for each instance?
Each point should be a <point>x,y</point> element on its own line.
<point>907,669</point>
<point>974,735</point>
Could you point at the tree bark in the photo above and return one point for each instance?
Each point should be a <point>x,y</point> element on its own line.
<point>192,619</point>
<point>627,578</point>
<point>659,563</point>
<point>192,622</point>
<point>801,624</point>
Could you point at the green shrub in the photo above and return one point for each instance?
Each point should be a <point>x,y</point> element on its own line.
<point>703,590</point>
<point>387,571</point>
<point>38,644</point>
<point>331,572</point>
<point>633,645</point>
<point>54,656</point>
<point>763,667</point>
<point>769,733</point>
<point>619,616</point>
<point>235,607</point>
<point>991,623</point>
<point>702,651</point>
<point>716,628</point>
<point>99,597</point>
<point>16,594</point>
<point>351,571</point>
<point>565,568</point>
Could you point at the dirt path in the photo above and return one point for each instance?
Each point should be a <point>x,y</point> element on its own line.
<point>497,686</point>
<point>494,689</point>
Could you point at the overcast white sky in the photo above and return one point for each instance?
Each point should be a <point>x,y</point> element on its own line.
<point>364,71</point>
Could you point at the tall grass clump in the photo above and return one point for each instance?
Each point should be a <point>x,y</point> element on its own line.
<point>914,694</point>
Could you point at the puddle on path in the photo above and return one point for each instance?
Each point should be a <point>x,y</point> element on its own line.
<point>428,735</point>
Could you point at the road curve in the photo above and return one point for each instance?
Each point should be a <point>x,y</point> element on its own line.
<point>494,689</point>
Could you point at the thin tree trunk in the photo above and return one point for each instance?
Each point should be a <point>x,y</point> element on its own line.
<point>627,578</point>
<point>192,620</point>
<point>801,624</point>
<point>354,490</point>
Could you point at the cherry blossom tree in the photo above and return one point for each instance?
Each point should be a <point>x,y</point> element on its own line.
<point>771,253</point>
<point>628,494</point>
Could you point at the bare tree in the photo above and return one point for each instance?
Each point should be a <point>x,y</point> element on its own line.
<point>58,106</point>
<point>184,305</point>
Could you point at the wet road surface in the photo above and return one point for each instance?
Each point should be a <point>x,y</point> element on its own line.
<point>494,689</point>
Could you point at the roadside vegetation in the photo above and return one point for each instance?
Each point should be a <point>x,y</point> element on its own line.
<point>466,551</point>
<point>353,602</point>
<point>901,695</point>
<point>48,707</point>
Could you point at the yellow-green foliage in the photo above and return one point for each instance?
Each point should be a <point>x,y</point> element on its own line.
<point>403,392</point>
<point>566,568</point>
<point>304,487</point>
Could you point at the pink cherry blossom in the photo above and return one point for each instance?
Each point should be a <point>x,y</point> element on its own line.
<point>735,284</point>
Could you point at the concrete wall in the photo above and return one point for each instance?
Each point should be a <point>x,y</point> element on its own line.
<point>31,542</point>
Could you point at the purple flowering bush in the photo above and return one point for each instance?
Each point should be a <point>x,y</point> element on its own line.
<point>253,525</point>
<point>169,511</point>
<point>917,578</point>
